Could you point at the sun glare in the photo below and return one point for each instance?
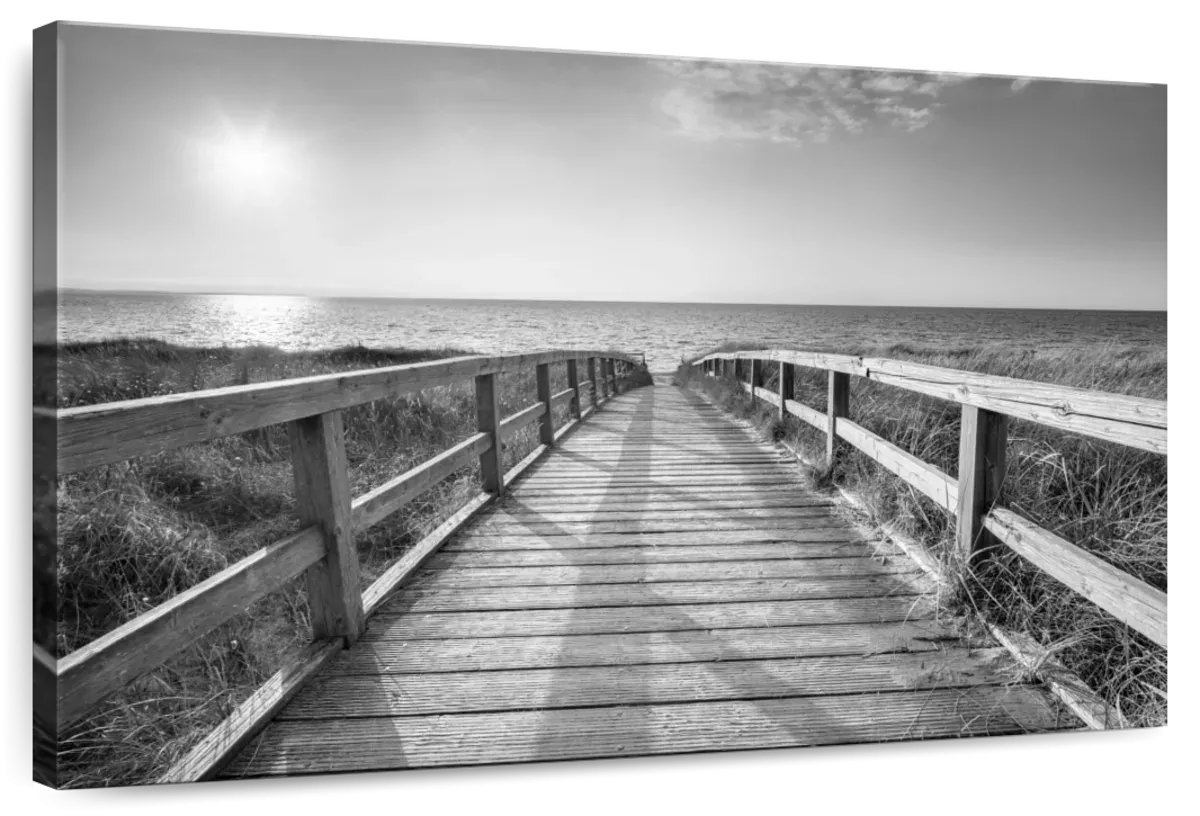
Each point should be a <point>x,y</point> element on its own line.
<point>245,163</point>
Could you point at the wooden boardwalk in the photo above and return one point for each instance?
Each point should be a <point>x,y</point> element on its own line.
<point>662,583</point>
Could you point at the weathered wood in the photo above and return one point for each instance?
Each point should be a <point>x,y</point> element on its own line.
<point>756,643</point>
<point>812,416</point>
<point>756,378</point>
<point>91,673</point>
<point>371,508</point>
<point>651,573</point>
<point>553,507</point>
<point>764,515</point>
<point>609,580</point>
<point>384,743</point>
<point>831,531</point>
<point>940,488</point>
<point>321,476</point>
<point>983,441</point>
<point>396,575</point>
<point>592,382</point>
<point>221,744</point>
<point>1133,421</point>
<point>669,593</point>
<point>573,528</point>
<point>787,387</point>
<point>515,422</point>
<point>487,411</point>
<point>96,435</point>
<point>572,474</point>
<point>838,408</point>
<point>682,492</point>
<point>808,359</point>
<point>521,689</point>
<point>546,428</point>
<point>419,553</point>
<point>573,385</point>
<point>560,397</point>
<point>784,550</point>
<point>1126,598</point>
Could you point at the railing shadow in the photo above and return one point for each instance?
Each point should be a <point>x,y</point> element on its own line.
<point>676,625</point>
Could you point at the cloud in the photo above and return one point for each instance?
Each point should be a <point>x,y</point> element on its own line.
<point>797,104</point>
<point>1021,83</point>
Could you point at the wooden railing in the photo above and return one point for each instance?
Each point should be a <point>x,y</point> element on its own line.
<point>323,548</point>
<point>987,403</point>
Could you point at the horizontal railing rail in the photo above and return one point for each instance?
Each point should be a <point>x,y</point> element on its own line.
<point>95,435</point>
<point>74,439</point>
<point>987,402</point>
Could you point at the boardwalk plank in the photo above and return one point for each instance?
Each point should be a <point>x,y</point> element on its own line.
<point>829,530</point>
<point>786,550</point>
<point>626,573</point>
<point>418,599</point>
<point>380,743</point>
<point>662,583</point>
<point>673,618</point>
<point>406,695</point>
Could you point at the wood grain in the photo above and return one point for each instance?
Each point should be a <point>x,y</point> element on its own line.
<point>546,426</point>
<point>381,743</point>
<point>206,759</point>
<point>487,412</point>
<point>1126,598</point>
<point>929,480</point>
<point>515,422</point>
<point>91,673</point>
<point>321,477</point>
<point>373,507</point>
<point>982,453</point>
<point>97,435</point>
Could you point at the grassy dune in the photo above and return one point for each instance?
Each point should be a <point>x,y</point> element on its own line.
<point>1107,498</point>
<point>134,534</point>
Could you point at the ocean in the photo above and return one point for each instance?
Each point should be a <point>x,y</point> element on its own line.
<point>664,332</point>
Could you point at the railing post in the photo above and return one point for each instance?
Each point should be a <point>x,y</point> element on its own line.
<point>981,465</point>
<point>546,432</point>
<point>611,366</point>
<point>756,369</point>
<point>573,384</point>
<point>592,380</point>
<point>487,409</point>
<point>787,380</point>
<point>322,481</point>
<point>838,406</point>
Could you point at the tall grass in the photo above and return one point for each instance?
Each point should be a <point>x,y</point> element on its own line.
<point>132,535</point>
<point>1107,498</point>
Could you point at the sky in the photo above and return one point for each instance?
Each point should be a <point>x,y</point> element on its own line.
<point>195,161</point>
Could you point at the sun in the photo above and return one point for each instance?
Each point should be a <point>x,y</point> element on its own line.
<point>247,162</point>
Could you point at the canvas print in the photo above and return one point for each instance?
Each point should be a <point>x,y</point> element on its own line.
<point>400,406</point>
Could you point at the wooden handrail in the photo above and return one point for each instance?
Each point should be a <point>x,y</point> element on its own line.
<point>1134,421</point>
<point>973,497</point>
<point>328,516</point>
<point>94,435</point>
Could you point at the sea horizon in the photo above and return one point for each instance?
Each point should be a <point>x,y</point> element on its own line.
<point>422,298</point>
<point>666,332</point>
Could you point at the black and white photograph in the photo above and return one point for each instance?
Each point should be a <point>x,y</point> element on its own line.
<point>404,406</point>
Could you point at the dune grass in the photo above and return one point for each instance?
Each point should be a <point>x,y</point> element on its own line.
<point>1107,498</point>
<point>132,535</point>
